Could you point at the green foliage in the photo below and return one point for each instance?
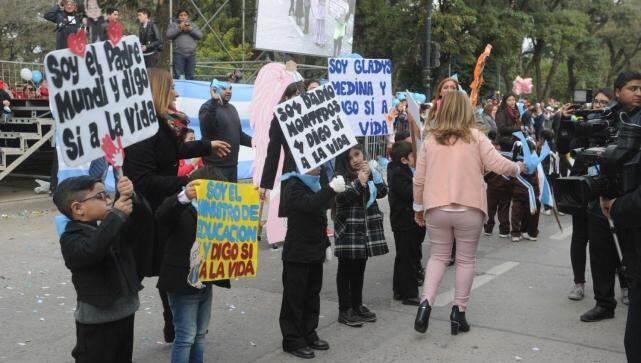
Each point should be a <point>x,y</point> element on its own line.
<point>574,43</point>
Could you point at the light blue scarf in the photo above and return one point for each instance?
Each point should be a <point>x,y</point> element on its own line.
<point>311,181</point>
<point>378,179</point>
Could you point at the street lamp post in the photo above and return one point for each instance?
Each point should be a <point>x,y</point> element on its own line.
<point>427,71</point>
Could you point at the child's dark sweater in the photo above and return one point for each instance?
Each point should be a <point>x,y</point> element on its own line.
<point>306,239</point>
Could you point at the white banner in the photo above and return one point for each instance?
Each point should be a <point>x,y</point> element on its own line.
<point>314,126</point>
<point>104,92</point>
<point>364,88</point>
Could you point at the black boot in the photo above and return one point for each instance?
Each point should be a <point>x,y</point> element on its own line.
<point>422,317</point>
<point>458,321</point>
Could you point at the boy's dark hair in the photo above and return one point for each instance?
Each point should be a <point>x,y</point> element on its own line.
<point>307,82</point>
<point>492,134</point>
<point>180,11</point>
<point>506,143</point>
<point>401,149</point>
<point>547,135</point>
<point>605,91</point>
<point>624,77</point>
<point>143,10</point>
<point>72,190</point>
<point>110,10</point>
<point>400,136</point>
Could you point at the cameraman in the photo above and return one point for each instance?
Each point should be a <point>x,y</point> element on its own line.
<point>625,211</point>
<point>184,35</point>
<point>68,20</point>
<point>591,225</point>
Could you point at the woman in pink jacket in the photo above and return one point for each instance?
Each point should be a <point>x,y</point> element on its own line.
<point>450,198</point>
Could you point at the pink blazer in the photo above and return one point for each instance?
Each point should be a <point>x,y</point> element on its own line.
<point>453,174</point>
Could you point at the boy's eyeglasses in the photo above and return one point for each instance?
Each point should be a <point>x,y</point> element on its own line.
<point>600,102</point>
<point>100,196</point>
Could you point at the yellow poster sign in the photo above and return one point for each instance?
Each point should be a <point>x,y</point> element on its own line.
<point>228,217</point>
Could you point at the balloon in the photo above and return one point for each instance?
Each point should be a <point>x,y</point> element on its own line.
<point>36,76</point>
<point>25,74</point>
<point>395,102</point>
<point>400,96</point>
<point>522,85</point>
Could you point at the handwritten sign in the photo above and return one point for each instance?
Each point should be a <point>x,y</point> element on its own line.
<point>103,91</point>
<point>227,230</point>
<point>364,88</point>
<point>314,127</point>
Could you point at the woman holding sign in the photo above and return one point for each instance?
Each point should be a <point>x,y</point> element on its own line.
<point>152,165</point>
<point>450,198</point>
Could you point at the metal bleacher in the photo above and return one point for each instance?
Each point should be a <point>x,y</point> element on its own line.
<point>29,128</point>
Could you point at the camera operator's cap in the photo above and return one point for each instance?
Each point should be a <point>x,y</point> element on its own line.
<point>219,84</point>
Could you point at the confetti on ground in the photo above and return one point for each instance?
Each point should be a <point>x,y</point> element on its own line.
<point>518,358</point>
<point>536,349</point>
<point>42,319</point>
<point>252,344</point>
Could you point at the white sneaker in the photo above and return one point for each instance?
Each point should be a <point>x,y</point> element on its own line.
<point>561,213</point>
<point>548,212</point>
<point>577,292</point>
<point>527,236</point>
<point>516,239</point>
<point>487,233</point>
<point>504,235</point>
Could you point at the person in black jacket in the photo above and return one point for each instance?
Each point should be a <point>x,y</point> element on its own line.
<point>149,38</point>
<point>305,205</point>
<point>102,264</point>
<point>408,236</point>
<point>276,142</point>
<point>152,165</point>
<point>68,20</point>
<point>219,120</point>
<point>190,305</point>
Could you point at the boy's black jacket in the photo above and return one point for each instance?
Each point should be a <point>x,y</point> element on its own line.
<point>181,221</point>
<point>306,212</point>
<point>101,258</point>
<point>401,196</point>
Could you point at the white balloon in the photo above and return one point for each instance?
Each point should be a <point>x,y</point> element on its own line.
<point>25,74</point>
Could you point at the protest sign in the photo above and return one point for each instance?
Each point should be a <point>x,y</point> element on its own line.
<point>103,90</point>
<point>314,127</point>
<point>227,230</point>
<point>364,88</point>
<point>413,110</point>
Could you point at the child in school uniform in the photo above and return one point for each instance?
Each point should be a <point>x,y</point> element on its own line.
<point>408,236</point>
<point>359,234</point>
<point>499,194</point>
<point>525,219</point>
<point>189,300</point>
<point>98,248</point>
<point>305,205</point>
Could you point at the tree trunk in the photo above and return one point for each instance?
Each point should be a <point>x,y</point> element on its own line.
<point>536,60</point>
<point>571,76</point>
<point>548,82</point>
<point>162,20</point>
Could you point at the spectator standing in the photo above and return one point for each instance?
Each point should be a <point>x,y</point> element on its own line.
<point>67,19</point>
<point>149,38</point>
<point>185,36</point>
<point>219,120</point>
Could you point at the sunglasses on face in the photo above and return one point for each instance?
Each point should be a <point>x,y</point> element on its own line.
<point>99,196</point>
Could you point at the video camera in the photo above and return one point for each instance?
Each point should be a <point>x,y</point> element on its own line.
<point>612,159</point>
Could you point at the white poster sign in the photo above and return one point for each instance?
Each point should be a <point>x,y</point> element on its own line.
<point>314,127</point>
<point>104,91</point>
<point>364,88</point>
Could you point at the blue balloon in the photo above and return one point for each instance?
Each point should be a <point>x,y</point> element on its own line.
<point>400,96</point>
<point>36,76</point>
<point>395,102</point>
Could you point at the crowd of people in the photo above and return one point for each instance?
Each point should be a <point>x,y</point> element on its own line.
<point>483,161</point>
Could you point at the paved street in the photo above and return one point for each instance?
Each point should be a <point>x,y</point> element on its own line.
<point>278,31</point>
<point>519,309</point>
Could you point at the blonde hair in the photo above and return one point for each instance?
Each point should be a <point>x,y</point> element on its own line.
<point>455,120</point>
<point>161,85</point>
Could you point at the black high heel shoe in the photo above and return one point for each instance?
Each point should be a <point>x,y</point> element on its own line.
<point>422,317</point>
<point>458,321</point>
